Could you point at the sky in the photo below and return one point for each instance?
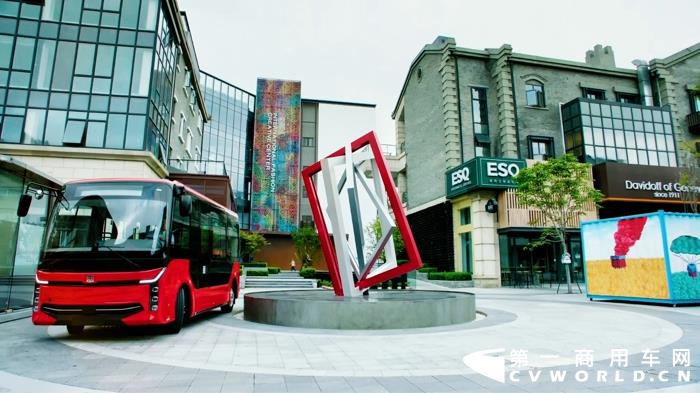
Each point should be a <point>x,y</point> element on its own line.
<point>361,50</point>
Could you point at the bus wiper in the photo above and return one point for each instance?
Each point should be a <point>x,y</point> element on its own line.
<point>97,246</point>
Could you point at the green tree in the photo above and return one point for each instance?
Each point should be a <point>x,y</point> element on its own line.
<point>251,244</point>
<point>375,233</point>
<point>561,188</point>
<point>306,243</point>
<point>690,177</point>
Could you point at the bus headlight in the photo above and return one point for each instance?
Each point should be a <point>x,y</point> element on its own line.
<point>154,297</point>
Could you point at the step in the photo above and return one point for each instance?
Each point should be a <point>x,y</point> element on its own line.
<point>264,285</point>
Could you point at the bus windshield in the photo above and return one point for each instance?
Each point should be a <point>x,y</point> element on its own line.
<point>111,217</point>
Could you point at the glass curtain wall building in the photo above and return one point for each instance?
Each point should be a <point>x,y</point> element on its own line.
<point>91,73</point>
<point>599,131</point>
<point>228,136</point>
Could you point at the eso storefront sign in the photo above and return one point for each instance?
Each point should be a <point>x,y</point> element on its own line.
<point>621,181</point>
<point>482,172</point>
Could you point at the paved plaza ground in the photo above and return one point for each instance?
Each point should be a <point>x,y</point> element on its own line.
<point>540,335</point>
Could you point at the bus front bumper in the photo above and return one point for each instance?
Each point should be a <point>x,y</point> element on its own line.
<point>128,305</point>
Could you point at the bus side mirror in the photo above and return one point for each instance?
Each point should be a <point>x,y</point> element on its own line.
<point>186,205</point>
<point>25,200</point>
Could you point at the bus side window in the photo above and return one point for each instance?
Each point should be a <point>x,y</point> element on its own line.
<point>180,239</point>
<point>232,231</point>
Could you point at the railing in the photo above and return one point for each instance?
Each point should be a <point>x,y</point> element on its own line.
<point>389,150</point>
<point>694,123</point>
<point>518,215</point>
<point>199,166</point>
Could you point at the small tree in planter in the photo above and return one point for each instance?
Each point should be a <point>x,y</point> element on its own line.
<point>251,243</point>
<point>560,188</point>
<point>306,243</point>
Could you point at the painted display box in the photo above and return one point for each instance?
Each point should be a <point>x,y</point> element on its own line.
<point>650,258</point>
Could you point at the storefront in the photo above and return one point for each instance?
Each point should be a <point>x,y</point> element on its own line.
<point>492,231</point>
<point>638,189</point>
<point>21,239</point>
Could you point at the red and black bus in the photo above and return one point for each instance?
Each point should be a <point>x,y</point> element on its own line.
<point>135,252</point>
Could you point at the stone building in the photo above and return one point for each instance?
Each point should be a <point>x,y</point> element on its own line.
<point>462,111</point>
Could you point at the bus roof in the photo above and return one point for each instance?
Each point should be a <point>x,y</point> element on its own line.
<point>163,181</point>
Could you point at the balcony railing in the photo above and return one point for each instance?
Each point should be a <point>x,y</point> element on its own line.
<point>389,150</point>
<point>199,167</point>
<point>694,123</point>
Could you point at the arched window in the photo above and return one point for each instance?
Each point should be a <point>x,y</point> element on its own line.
<point>534,93</point>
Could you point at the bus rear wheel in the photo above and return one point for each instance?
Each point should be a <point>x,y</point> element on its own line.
<point>228,307</point>
<point>175,326</point>
<point>75,330</point>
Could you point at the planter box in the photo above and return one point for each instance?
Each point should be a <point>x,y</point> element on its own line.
<point>452,284</point>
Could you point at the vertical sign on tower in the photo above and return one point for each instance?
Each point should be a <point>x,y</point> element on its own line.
<point>276,147</point>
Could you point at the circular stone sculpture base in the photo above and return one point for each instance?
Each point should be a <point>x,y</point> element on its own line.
<point>321,309</point>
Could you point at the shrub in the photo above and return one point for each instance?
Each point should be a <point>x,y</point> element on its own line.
<point>273,270</point>
<point>252,272</point>
<point>254,264</point>
<point>427,269</point>
<point>450,276</point>
<point>307,273</point>
<point>324,283</point>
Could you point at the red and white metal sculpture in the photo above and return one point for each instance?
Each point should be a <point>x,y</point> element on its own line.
<point>353,270</point>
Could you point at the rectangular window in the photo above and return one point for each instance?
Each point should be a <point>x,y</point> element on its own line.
<point>105,58</point>
<point>307,142</point>
<point>115,131</point>
<point>188,143</point>
<point>134,132</point>
<point>95,134</point>
<point>181,132</point>
<point>43,64</point>
<point>695,102</point>
<point>466,251</point>
<point>130,14</point>
<point>534,94</point>
<point>479,111</point>
<point>63,70</point>
<point>480,122</point>
<point>540,148</point>
<point>627,98</point>
<point>24,53</point>
<point>74,133</point>
<point>122,70</point>
<point>5,50</point>
<point>465,216</point>
<point>85,59</point>
<point>593,94</point>
<point>34,126</point>
<point>142,72</point>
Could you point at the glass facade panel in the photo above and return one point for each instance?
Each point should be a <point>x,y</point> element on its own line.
<point>142,72</point>
<point>55,124</point>
<point>86,48</point>
<point>639,133</point>
<point>115,131</point>
<point>24,53</point>
<point>134,132</point>
<point>228,136</point>
<point>34,126</point>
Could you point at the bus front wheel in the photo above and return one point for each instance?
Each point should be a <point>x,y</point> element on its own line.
<point>228,307</point>
<point>175,326</point>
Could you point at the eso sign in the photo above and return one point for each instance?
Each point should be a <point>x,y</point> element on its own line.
<point>502,169</point>
<point>482,172</point>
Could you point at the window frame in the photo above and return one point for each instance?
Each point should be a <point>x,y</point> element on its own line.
<point>539,95</point>
<point>591,90</point>
<point>619,96</point>
<point>549,143</point>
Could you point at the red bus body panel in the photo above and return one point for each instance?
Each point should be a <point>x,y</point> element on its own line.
<point>116,289</point>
